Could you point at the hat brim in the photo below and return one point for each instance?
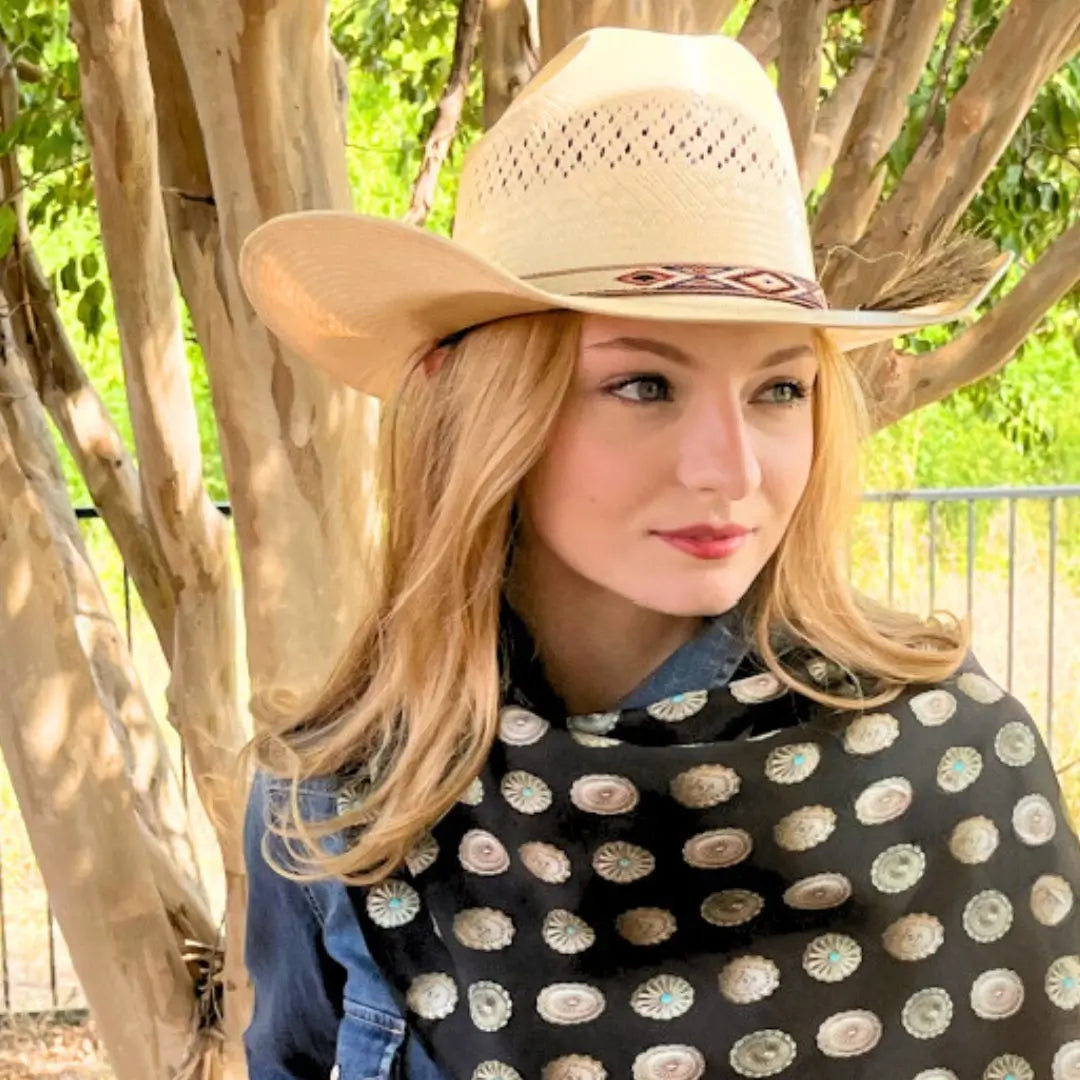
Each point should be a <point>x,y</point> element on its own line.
<point>359,296</point>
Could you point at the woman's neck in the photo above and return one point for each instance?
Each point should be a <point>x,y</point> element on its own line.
<point>595,646</point>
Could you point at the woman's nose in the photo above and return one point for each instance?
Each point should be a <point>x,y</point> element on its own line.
<point>717,454</point>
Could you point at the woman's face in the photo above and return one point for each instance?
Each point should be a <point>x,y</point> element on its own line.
<point>677,460</point>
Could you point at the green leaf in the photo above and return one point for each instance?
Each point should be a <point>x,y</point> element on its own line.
<point>89,265</point>
<point>69,275</point>
<point>9,224</point>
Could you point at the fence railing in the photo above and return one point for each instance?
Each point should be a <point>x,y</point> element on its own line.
<point>1007,558</point>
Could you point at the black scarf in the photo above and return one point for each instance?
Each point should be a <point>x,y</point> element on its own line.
<point>737,882</point>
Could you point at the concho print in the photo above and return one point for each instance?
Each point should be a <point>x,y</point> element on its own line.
<point>474,793</point>
<point>717,848</point>
<point>705,785</point>
<point>832,957</point>
<point>646,926</point>
<point>519,727</point>
<point>482,853</point>
<point>622,862</point>
<point>570,1003</point>
<point>792,764</point>
<point>848,1034</point>
<point>679,707</point>
<point>928,906</point>
<point>748,979</point>
<point>927,1013</point>
<point>884,800</point>
<point>933,707</point>
<point>545,861</point>
<point>674,1062</point>
<point>763,1053</point>
<point>756,688</point>
<point>574,1067</point>
<point>433,996</point>
<point>979,688</point>
<point>663,997</point>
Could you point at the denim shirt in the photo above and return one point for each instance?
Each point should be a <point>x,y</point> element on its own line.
<point>322,1008</point>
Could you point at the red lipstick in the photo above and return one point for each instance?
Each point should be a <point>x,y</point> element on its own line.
<point>706,541</point>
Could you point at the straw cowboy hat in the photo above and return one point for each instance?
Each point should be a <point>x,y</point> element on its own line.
<point>639,174</point>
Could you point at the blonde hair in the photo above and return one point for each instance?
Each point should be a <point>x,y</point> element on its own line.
<point>412,704</point>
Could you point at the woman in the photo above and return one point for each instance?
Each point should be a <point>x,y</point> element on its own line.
<point>617,776</point>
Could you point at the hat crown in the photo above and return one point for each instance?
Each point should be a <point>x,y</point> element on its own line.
<point>636,154</point>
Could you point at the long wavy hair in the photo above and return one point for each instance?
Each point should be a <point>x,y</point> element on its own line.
<point>410,709</point>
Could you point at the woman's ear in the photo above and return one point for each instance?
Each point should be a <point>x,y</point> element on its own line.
<point>434,358</point>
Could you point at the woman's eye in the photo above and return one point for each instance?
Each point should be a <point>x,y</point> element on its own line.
<point>643,388</point>
<point>787,392</point>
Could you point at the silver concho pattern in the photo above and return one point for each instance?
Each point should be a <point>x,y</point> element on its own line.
<point>525,792</point>
<point>1063,982</point>
<point>763,1053</point>
<point>495,1070</point>
<point>545,861</point>
<point>1066,1064</point>
<point>792,764</point>
<point>1051,899</point>
<point>566,932</point>
<point>483,928</point>
<point>674,1061</point>
<point>731,907</point>
<point>433,996</point>
<point>1015,744</point>
<point>818,891</point>
<point>1009,1067</point>
<point>805,828</point>
<point>871,733</point>
<point>717,848</point>
<point>392,903</point>
<point>898,868</point>
<point>663,997</point>
<point>1033,820</point>
<point>927,1013</point>
<point>489,1005</point>
<point>937,1074</point>
<point>933,707</point>
<point>574,1067</point>
<point>747,979</point>
<point>599,723</point>
<point>974,840</point>
<point>979,688</point>
<point>481,853</point>
<point>604,793</point>
<point>914,937</point>
<point>988,916</point>
<point>884,800</point>
<point>757,688</point>
<point>422,855</point>
<point>570,1003</point>
<point>997,994</point>
<point>678,706</point>
<point>704,786</point>
<point>848,1034</point>
<point>519,727</point>
<point>959,768</point>
<point>646,925</point>
<point>623,862</point>
<point>832,957</point>
<point>474,793</point>
<point>587,738</point>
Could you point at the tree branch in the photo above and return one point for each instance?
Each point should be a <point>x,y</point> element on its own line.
<point>947,172</point>
<point>510,50</point>
<point>856,184</point>
<point>837,112</point>
<point>761,31</point>
<point>956,31</point>
<point>448,112</point>
<point>909,382</point>
<point>799,80</point>
<point>78,412</point>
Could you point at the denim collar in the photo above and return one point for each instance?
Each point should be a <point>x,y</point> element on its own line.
<point>706,661</point>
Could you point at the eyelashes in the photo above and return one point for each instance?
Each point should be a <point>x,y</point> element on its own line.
<point>794,390</point>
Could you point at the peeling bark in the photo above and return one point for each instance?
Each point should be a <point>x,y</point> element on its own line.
<point>800,75</point>
<point>509,49</point>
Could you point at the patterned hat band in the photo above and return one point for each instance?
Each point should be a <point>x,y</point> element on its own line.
<point>698,279</point>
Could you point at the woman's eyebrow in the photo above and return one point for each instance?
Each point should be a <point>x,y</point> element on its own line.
<point>680,356</point>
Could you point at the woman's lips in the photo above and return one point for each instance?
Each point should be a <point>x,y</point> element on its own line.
<point>706,541</point>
